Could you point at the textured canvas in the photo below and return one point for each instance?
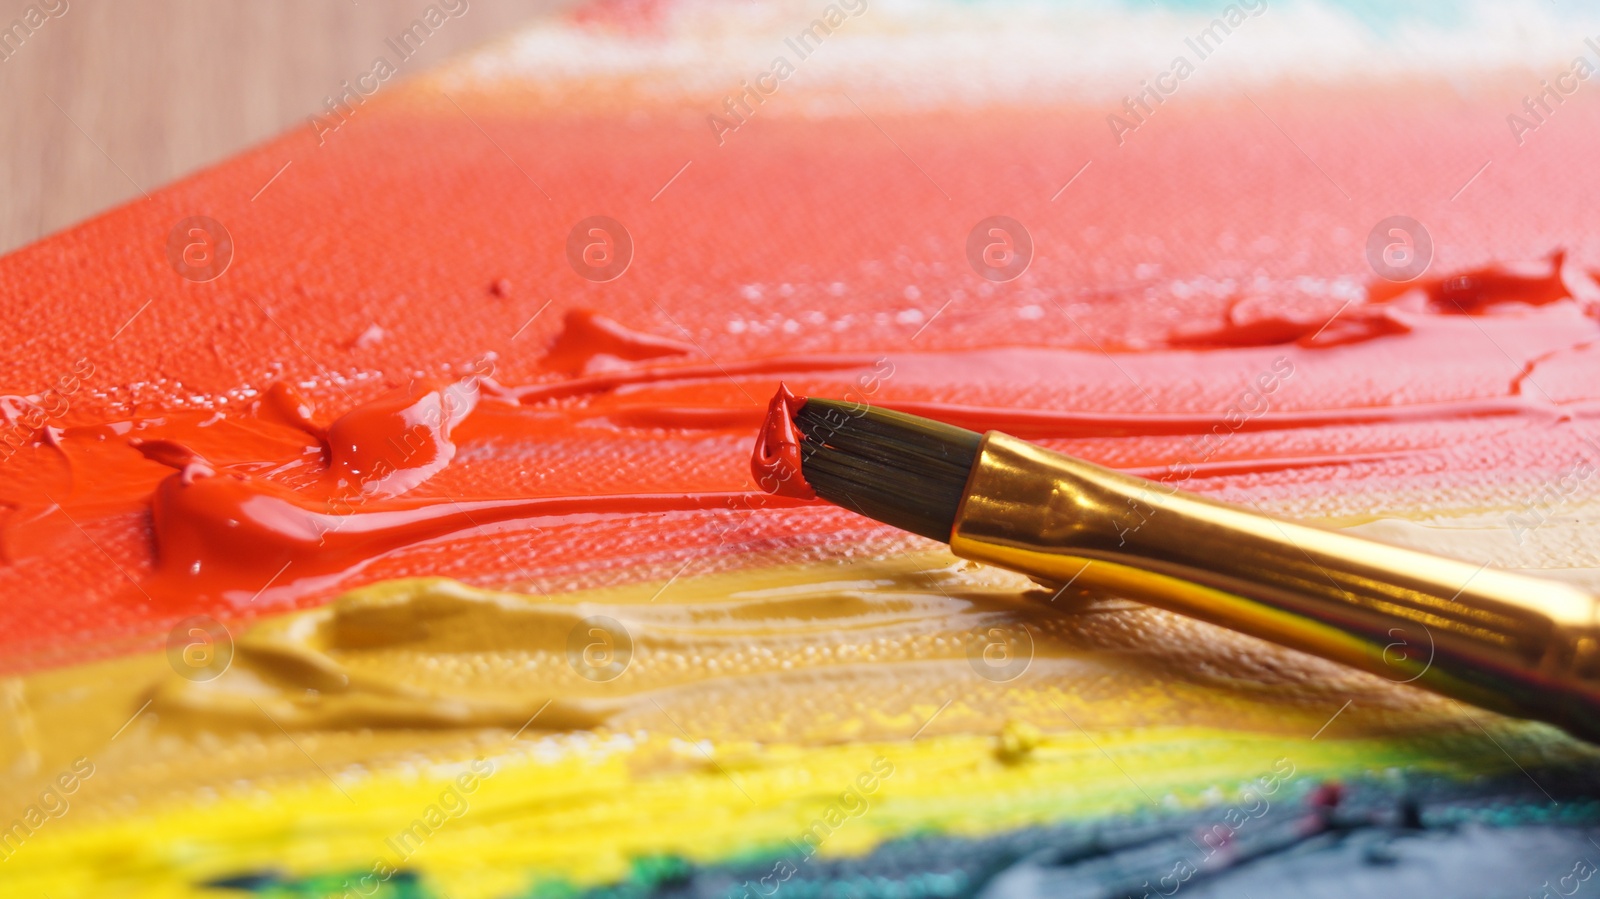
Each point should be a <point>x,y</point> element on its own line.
<point>378,516</point>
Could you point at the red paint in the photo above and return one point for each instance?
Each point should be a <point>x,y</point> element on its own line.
<point>283,404</point>
<point>1039,424</point>
<point>788,255</point>
<point>229,534</point>
<point>232,536</point>
<point>1350,325</point>
<point>190,464</point>
<point>386,447</point>
<point>716,373</point>
<point>1326,796</point>
<point>1478,290</point>
<point>589,342</point>
<point>775,461</point>
<point>269,508</point>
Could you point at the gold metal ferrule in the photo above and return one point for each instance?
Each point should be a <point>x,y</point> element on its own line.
<point>1519,645</point>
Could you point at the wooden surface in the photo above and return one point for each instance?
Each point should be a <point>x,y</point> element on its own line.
<point>107,99</point>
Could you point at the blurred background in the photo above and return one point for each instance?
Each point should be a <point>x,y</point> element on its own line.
<point>107,99</point>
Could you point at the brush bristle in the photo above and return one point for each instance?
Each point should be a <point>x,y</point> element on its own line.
<point>900,469</point>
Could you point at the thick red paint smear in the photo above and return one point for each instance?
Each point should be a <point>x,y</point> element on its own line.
<point>360,397</point>
<point>272,506</point>
<point>1349,326</point>
<point>589,341</point>
<point>775,461</point>
<point>1479,289</point>
<point>222,537</point>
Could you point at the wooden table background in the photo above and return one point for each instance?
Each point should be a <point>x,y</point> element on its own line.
<point>115,97</point>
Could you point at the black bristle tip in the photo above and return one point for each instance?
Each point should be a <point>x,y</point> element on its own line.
<point>900,469</point>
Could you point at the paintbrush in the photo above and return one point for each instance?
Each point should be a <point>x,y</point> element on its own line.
<point>1522,646</point>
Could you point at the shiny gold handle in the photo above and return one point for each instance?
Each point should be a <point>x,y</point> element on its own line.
<point>1520,645</point>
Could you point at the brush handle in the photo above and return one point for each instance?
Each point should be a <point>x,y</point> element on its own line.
<point>1519,645</point>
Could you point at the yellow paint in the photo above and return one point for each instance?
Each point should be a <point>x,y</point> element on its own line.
<point>751,703</point>
<point>584,815</point>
